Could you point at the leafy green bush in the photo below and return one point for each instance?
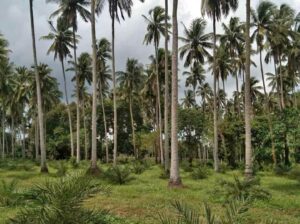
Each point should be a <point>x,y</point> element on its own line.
<point>200,172</point>
<point>247,189</point>
<point>61,168</point>
<point>60,202</point>
<point>138,167</point>
<point>9,196</point>
<point>73,163</point>
<point>295,173</point>
<point>186,166</point>
<point>119,174</point>
<point>281,169</point>
<point>223,168</point>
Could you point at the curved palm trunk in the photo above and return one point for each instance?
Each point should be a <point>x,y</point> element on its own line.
<point>78,101</point>
<point>167,97</point>
<point>104,122</point>
<point>175,180</point>
<point>215,152</point>
<point>114,92</point>
<point>68,108</point>
<point>248,149</point>
<point>39,96</point>
<point>94,169</point>
<point>132,127</point>
<point>159,107</point>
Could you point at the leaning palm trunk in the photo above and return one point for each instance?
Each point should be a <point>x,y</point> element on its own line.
<point>159,107</point>
<point>215,152</point>
<point>166,103</point>
<point>104,122</point>
<point>175,180</point>
<point>132,127</point>
<point>39,96</point>
<point>94,169</point>
<point>68,109</point>
<point>114,93</point>
<point>248,148</point>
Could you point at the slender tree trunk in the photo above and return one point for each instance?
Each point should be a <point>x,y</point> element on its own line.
<point>13,150</point>
<point>39,96</point>
<point>238,94</point>
<point>132,127</point>
<point>281,84</point>
<point>114,93</point>
<point>278,85</point>
<point>3,132</point>
<point>248,148</point>
<point>104,122</point>
<point>68,108</point>
<point>175,180</point>
<point>159,107</point>
<point>215,152</point>
<point>23,138</point>
<point>167,95</point>
<point>78,100</point>
<point>37,140</point>
<point>94,169</point>
<point>85,134</point>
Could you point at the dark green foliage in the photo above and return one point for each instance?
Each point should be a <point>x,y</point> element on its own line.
<point>119,174</point>
<point>73,162</point>
<point>246,189</point>
<point>9,195</point>
<point>61,168</point>
<point>60,202</point>
<point>138,167</point>
<point>281,169</point>
<point>200,172</point>
<point>186,166</point>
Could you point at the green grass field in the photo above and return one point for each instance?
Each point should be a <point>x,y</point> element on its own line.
<point>143,198</point>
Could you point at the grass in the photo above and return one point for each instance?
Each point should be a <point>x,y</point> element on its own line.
<point>146,195</point>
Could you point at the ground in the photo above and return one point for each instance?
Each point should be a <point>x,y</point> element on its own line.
<point>146,196</point>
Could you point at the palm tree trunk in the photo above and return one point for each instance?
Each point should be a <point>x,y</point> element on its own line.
<point>248,148</point>
<point>85,134</point>
<point>37,140</point>
<point>167,97</point>
<point>23,139</point>
<point>238,94</point>
<point>159,107</point>
<point>78,101</point>
<point>68,108</point>
<point>39,96</point>
<point>13,150</point>
<point>94,169</point>
<point>215,152</point>
<point>175,180</point>
<point>104,122</point>
<point>3,132</point>
<point>114,93</point>
<point>281,84</point>
<point>132,127</point>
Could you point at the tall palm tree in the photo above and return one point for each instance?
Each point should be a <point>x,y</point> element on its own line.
<point>68,10</point>
<point>44,168</point>
<point>167,94</point>
<point>195,77</point>
<point>188,101</point>
<point>130,83</point>
<point>248,148</point>
<point>156,28</point>
<point>103,54</point>
<point>216,9</point>
<point>175,180</point>
<point>117,9</point>
<point>206,94</point>
<point>62,39</point>
<point>196,43</point>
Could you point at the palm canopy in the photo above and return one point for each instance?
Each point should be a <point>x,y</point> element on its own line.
<point>195,76</point>
<point>188,101</point>
<point>156,25</point>
<point>217,8</point>
<point>118,8</point>
<point>196,43</point>
<point>3,47</point>
<point>62,38</point>
<point>70,9</point>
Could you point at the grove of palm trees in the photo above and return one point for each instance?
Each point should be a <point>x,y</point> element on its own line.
<point>149,111</point>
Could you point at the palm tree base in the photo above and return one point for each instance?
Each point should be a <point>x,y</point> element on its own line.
<point>175,183</point>
<point>44,169</point>
<point>94,171</point>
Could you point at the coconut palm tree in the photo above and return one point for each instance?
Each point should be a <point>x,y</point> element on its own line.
<point>44,168</point>
<point>62,38</point>
<point>103,54</point>
<point>206,94</point>
<point>130,83</point>
<point>117,9</point>
<point>188,101</point>
<point>216,9</point>
<point>156,28</point>
<point>195,77</point>
<point>248,148</point>
<point>68,10</point>
<point>175,180</point>
<point>196,43</point>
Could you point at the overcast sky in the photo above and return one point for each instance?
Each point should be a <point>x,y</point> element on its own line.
<point>15,25</point>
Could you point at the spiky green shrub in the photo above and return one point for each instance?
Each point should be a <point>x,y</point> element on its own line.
<point>200,172</point>
<point>61,202</point>
<point>138,167</point>
<point>73,163</point>
<point>119,174</point>
<point>9,195</point>
<point>241,189</point>
<point>62,168</point>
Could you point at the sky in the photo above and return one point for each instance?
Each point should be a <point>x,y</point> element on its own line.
<point>15,26</point>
